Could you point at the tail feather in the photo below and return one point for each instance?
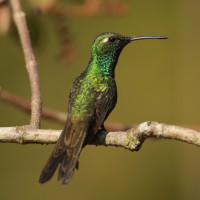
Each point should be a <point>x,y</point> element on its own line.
<point>70,162</point>
<point>67,168</point>
<point>66,152</point>
<point>50,169</point>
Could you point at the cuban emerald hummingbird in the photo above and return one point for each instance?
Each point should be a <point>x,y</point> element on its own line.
<point>92,97</point>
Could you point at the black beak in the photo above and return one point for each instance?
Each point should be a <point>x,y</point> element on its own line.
<point>146,37</point>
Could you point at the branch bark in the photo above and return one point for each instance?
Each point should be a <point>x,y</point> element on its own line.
<point>131,139</point>
<point>31,65</point>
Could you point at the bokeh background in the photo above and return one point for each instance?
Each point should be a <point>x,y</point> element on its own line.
<point>157,80</point>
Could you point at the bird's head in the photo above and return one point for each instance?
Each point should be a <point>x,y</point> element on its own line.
<point>107,47</point>
<point>110,43</point>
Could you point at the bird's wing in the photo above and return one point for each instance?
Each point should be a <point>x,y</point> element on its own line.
<point>105,102</point>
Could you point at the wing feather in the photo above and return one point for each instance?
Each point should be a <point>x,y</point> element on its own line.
<point>104,104</point>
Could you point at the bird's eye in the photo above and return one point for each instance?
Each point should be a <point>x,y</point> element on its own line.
<point>112,39</point>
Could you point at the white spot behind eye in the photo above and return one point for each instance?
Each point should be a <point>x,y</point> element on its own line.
<point>105,40</point>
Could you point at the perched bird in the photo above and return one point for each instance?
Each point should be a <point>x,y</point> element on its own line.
<point>92,97</point>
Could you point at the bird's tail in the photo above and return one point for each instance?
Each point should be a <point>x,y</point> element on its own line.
<point>66,152</point>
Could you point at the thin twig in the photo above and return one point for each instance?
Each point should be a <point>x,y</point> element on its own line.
<point>48,113</point>
<point>131,139</point>
<point>25,105</point>
<point>31,65</point>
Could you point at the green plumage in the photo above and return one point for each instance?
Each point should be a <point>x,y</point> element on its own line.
<point>92,97</point>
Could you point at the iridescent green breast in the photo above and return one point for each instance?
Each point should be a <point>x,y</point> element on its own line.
<point>84,92</point>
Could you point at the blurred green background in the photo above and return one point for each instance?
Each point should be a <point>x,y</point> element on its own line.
<point>157,80</point>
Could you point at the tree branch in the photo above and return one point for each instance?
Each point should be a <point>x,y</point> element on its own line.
<point>131,139</point>
<point>31,65</point>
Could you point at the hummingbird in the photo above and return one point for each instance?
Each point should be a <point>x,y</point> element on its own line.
<point>92,97</point>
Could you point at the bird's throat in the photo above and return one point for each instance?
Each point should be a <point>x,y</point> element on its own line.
<point>104,64</point>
